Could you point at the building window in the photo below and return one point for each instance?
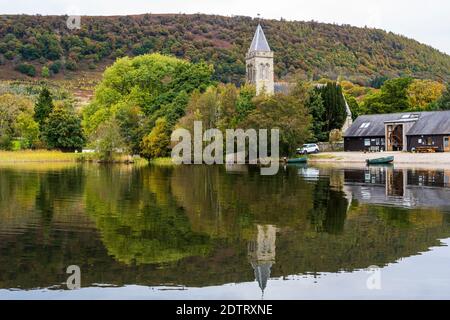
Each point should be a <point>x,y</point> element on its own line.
<point>367,142</point>
<point>377,141</point>
<point>365,125</point>
<point>446,142</point>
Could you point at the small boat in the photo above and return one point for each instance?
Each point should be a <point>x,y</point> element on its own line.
<point>385,160</point>
<point>297,160</point>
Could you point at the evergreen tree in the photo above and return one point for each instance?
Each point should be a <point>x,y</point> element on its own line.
<point>317,112</point>
<point>43,107</point>
<point>334,103</point>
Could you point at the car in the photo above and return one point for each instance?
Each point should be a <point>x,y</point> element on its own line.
<point>308,148</point>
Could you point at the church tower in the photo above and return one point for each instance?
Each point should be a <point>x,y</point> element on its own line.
<point>259,62</point>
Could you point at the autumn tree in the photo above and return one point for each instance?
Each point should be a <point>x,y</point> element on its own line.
<point>286,112</point>
<point>423,93</point>
<point>156,143</point>
<point>444,101</point>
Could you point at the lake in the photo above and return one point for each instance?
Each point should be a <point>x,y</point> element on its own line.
<point>215,232</point>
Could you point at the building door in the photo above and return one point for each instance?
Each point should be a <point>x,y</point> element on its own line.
<point>395,137</point>
<point>447,144</point>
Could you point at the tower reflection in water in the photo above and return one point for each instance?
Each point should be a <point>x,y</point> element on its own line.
<point>261,252</point>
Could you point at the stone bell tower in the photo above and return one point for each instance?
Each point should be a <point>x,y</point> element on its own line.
<point>259,62</point>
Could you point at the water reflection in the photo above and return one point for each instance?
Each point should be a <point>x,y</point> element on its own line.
<point>200,226</point>
<point>402,187</point>
<point>262,253</point>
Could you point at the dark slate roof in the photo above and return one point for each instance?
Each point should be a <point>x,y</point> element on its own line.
<point>431,123</point>
<point>259,42</point>
<point>437,122</point>
<point>376,127</point>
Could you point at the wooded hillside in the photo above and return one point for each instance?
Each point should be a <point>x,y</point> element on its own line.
<point>43,46</point>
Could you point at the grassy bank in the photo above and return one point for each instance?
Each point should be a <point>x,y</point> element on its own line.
<point>37,156</point>
<point>162,162</point>
<point>44,156</point>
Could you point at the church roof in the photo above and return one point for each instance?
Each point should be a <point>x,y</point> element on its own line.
<point>259,42</point>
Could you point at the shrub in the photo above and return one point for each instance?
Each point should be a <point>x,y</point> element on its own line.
<point>26,69</point>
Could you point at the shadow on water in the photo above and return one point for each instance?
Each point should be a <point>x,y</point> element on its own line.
<point>203,226</point>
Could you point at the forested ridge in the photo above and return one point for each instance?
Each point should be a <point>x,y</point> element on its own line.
<point>43,46</point>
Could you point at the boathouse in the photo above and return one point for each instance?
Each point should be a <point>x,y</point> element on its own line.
<point>410,131</point>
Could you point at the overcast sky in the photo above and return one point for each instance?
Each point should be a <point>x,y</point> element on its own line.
<point>427,21</point>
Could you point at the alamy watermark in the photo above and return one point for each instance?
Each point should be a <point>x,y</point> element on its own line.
<point>74,280</point>
<point>374,280</point>
<point>191,150</point>
<point>73,21</point>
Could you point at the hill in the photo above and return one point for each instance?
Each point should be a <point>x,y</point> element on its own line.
<point>308,49</point>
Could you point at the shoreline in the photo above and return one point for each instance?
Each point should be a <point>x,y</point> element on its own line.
<point>401,159</point>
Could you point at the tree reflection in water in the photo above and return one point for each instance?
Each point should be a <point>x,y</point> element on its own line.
<point>201,226</point>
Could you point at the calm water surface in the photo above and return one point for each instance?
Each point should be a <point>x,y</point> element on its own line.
<point>198,232</point>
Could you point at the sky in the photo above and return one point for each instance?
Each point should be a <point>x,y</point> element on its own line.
<point>427,21</point>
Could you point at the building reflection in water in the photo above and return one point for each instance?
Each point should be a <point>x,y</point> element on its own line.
<point>261,252</point>
<point>405,187</point>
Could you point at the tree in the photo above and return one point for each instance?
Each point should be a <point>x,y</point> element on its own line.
<point>45,72</point>
<point>11,107</point>
<point>62,130</point>
<point>244,103</point>
<point>423,93</point>
<point>145,88</point>
<point>392,97</point>
<point>43,107</point>
<point>27,69</point>
<point>156,143</point>
<point>107,140</point>
<point>317,111</point>
<point>288,113</point>
<point>444,101</point>
<point>28,129</point>
<point>334,103</point>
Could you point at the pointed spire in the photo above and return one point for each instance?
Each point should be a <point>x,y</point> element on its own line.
<point>262,274</point>
<point>259,42</point>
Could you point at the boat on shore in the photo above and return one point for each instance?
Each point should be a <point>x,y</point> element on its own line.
<point>384,160</point>
<point>297,160</point>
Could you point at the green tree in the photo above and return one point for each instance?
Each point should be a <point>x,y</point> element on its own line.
<point>28,129</point>
<point>43,107</point>
<point>107,140</point>
<point>27,69</point>
<point>392,97</point>
<point>244,103</point>
<point>156,143</point>
<point>288,113</point>
<point>45,72</point>
<point>151,86</point>
<point>11,107</point>
<point>334,103</point>
<point>62,130</point>
<point>317,111</point>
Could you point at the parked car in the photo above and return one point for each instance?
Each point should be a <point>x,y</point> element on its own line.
<point>308,148</point>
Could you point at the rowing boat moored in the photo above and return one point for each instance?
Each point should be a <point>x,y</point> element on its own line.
<point>384,160</point>
<point>297,160</point>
